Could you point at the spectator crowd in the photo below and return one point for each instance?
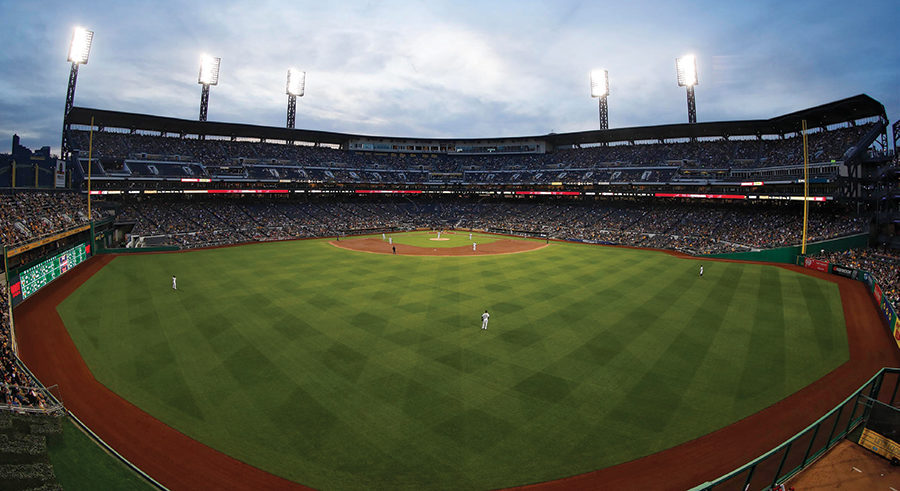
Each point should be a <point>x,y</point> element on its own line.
<point>125,154</point>
<point>699,228</point>
<point>17,389</point>
<point>882,262</point>
<point>29,216</point>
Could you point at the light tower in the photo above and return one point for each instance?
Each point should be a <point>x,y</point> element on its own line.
<point>79,51</point>
<point>296,84</point>
<point>209,75</point>
<point>686,67</point>
<point>600,89</point>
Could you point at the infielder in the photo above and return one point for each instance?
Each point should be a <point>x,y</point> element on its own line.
<point>390,240</point>
<point>174,285</point>
<point>474,245</point>
<point>470,236</point>
<point>484,320</point>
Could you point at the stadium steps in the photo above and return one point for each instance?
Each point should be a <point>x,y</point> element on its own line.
<point>24,461</point>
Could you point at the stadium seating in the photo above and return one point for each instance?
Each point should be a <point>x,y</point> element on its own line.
<point>135,155</point>
<point>693,227</point>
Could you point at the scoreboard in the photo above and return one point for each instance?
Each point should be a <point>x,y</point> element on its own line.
<point>34,278</point>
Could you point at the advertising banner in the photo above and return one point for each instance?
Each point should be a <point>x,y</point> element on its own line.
<point>60,174</point>
<point>888,311</point>
<point>842,271</point>
<point>897,331</point>
<point>816,264</point>
<point>877,293</point>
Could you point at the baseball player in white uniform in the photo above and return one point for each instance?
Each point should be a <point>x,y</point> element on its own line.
<point>484,320</point>
<point>474,245</point>
<point>701,271</point>
<point>174,285</point>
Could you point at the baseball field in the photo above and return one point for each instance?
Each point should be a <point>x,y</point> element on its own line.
<point>339,368</point>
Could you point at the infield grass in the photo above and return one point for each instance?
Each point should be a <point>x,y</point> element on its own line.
<point>448,239</point>
<point>341,369</point>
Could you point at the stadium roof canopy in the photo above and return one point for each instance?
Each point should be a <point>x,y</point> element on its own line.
<point>851,109</point>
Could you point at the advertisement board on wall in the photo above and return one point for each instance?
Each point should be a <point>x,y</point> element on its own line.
<point>843,271</point>
<point>816,264</point>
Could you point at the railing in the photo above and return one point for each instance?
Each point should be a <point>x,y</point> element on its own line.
<point>784,461</point>
<point>51,403</point>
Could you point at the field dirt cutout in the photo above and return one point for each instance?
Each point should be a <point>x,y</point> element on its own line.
<point>378,246</point>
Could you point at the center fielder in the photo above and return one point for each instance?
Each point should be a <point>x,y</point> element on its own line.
<point>484,320</point>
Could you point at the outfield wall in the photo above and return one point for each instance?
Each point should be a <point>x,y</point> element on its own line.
<point>887,310</point>
<point>788,255</point>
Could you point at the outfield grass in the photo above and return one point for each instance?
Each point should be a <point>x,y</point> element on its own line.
<point>340,369</point>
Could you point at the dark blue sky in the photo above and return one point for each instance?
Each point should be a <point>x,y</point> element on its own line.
<point>446,69</point>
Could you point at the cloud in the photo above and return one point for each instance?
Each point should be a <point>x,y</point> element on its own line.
<point>446,69</point>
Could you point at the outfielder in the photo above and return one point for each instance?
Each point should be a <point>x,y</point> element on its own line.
<point>701,271</point>
<point>174,285</point>
<point>484,320</point>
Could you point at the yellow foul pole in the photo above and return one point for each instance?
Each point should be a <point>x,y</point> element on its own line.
<point>90,152</point>
<point>805,188</point>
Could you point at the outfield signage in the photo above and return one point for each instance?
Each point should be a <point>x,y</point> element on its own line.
<point>843,271</point>
<point>388,191</point>
<point>30,280</point>
<point>897,330</point>
<point>816,264</point>
<point>882,301</point>
<point>549,193</point>
<point>708,196</point>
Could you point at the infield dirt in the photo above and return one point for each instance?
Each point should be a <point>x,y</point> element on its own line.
<point>502,246</point>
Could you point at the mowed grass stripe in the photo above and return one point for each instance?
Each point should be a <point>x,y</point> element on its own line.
<point>345,370</point>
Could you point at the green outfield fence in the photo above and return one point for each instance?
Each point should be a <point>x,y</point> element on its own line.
<point>784,461</point>
<point>789,254</point>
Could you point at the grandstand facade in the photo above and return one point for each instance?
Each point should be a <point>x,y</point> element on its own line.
<point>752,158</point>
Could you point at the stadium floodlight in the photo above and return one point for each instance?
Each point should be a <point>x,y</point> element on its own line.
<point>686,68</point>
<point>600,89</point>
<point>80,48</point>
<point>79,51</point>
<point>296,85</point>
<point>599,83</point>
<point>296,82</point>
<point>209,70</point>
<point>209,75</point>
